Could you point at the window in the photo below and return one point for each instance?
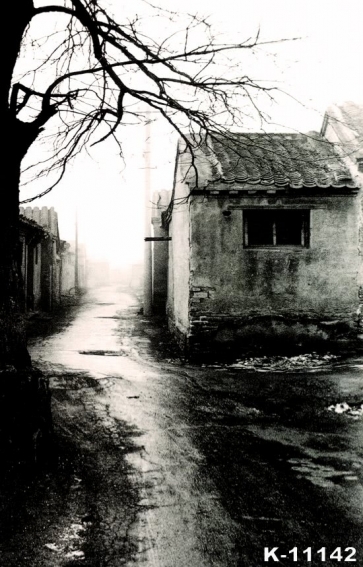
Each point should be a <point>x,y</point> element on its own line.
<point>276,227</point>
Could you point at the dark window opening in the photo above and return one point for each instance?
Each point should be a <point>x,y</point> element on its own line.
<point>276,227</point>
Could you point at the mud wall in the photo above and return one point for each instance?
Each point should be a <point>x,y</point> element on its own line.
<point>239,292</point>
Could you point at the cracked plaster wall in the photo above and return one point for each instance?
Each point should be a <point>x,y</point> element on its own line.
<point>230,285</point>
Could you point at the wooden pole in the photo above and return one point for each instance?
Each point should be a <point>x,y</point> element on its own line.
<point>147,230</point>
<point>76,268</point>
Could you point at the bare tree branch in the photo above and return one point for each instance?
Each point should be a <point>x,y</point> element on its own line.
<point>100,68</point>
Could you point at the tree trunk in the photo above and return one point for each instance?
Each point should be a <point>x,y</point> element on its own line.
<point>25,418</point>
<point>13,349</point>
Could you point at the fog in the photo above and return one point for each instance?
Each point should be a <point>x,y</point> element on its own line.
<point>320,68</point>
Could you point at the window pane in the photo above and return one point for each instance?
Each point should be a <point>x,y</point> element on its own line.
<point>289,226</point>
<point>260,228</point>
<point>276,227</point>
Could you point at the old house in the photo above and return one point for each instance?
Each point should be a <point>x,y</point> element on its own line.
<point>31,235</point>
<point>48,260</point>
<point>264,242</point>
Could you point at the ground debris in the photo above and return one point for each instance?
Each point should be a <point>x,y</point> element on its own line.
<point>75,555</point>
<point>53,547</point>
<point>70,541</point>
<point>355,410</point>
<point>310,362</point>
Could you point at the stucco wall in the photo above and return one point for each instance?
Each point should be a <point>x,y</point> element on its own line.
<point>349,145</point>
<point>232,285</point>
<point>178,267</point>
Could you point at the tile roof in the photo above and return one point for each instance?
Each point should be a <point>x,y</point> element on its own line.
<point>28,226</point>
<point>268,160</point>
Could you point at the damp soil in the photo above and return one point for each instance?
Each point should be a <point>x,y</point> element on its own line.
<point>78,502</point>
<point>158,461</point>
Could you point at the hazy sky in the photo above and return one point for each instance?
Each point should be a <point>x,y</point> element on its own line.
<point>322,67</point>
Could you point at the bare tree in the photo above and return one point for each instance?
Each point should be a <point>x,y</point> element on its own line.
<point>87,77</point>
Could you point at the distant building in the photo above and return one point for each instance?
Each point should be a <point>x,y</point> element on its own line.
<point>50,272</point>
<point>32,235</point>
<point>47,263</point>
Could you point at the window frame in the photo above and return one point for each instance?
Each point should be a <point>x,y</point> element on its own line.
<point>305,228</point>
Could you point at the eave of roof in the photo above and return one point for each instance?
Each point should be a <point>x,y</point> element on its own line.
<point>26,222</point>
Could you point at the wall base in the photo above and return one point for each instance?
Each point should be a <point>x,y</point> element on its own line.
<point>221,337</point>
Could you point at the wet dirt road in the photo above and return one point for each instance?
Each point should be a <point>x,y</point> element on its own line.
<point>173,465</point>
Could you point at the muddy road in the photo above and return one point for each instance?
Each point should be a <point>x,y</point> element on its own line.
<point>162,463</point>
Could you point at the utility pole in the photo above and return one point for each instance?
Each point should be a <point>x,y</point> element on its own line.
<point>76,268</point>
<point>147,218</point>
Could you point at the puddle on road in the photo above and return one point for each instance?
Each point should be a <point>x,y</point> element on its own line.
<point>325,476</point>
<point>103,352</point>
